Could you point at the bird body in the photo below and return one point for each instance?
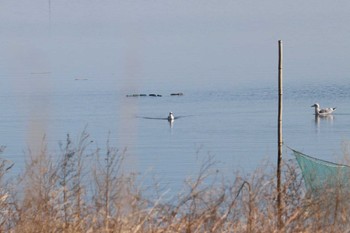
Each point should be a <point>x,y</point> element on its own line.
<point>322,111</point>
<point>171,116</point>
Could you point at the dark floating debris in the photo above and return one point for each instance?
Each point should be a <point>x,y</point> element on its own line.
<point>178,94</point>
<point>153,95</point>
<point>143,95</point>
<point>133,95</point>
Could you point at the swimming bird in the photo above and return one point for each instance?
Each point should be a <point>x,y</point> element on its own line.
<point>322,111</point>
<point>171,116</point>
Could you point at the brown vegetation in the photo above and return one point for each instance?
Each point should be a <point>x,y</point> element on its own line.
<point>71,195</point>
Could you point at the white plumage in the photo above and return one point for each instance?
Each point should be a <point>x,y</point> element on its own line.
<point>171,116</point>
<point>322,111</point>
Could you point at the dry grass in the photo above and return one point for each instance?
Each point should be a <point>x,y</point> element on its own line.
<point>68,195</point>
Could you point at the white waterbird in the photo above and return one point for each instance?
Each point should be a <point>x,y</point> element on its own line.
<point>171,116</point>
<point>322,111</point>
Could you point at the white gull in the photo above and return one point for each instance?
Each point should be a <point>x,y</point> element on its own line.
<point>171,116</point>
<point>322,111</point>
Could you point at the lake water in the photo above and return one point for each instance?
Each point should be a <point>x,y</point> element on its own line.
<point>237,126</point>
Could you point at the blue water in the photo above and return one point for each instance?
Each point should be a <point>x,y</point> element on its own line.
<point>236,126</point>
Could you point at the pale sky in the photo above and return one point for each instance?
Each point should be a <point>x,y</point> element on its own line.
<point>176,43</point>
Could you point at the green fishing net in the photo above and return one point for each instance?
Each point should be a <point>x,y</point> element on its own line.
<point>320,174</point>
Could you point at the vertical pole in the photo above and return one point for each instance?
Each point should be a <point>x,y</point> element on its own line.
<point>280,142</point>
<point>49,1</point>
<point>50,12</point>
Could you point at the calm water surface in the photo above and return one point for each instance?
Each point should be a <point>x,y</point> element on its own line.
<point>236,126</point>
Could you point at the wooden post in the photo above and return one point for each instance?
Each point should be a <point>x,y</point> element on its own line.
<point>280,142</point>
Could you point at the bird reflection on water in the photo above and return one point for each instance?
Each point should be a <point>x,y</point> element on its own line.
<point>328,119</point>
<point>319,118</point>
